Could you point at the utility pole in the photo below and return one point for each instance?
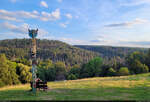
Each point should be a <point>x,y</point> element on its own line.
<point>33,34</point>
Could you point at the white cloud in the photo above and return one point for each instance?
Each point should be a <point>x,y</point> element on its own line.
<point>9,18</point>
<point>71,41</point>
<point>43,4</point>
<point>50,16</point>
<point>64,25</point>
<point>25,14</point>
<point>35,12</point>
<point>135,2</point>
<point>56,14</point>
<point>68,15</point>
<point>13,28</point>
<point>21,29</point>
<point>18,15</point>
<point>128,24</point>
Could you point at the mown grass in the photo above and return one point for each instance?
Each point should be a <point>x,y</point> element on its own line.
<point>135,87</point>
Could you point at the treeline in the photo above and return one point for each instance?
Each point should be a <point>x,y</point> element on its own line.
<point>12,72</point>
<point>19,50</point>
<point>135,63</point>
<point>110,52</point>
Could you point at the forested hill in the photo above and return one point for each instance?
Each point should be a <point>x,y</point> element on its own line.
<point>46,49</point>
<point>109,51</point>
<point>54,50</point>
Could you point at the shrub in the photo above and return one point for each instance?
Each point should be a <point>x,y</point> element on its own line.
<point>2,83</point>
<point>111,72</point>
<point>123,71</point>
<point>71,77</point>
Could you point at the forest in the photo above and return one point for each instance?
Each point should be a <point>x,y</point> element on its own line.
<point>60,61</point>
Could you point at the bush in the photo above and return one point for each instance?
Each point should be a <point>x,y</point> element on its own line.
<point>71,77</point>
<point>123,71</point>
<point>2,83</point>
<point>111,72</point>
<point>75,71</point>
<point>145,69</point>
<point>140,68</point>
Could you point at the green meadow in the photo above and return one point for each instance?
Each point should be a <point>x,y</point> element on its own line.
<point>134,87</point>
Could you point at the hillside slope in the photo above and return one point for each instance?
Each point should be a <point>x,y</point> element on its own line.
<point>109,51</point>
<point>135,87</point>
<point>46,49</point>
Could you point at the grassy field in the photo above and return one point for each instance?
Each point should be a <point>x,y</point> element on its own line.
<point>135,87</point>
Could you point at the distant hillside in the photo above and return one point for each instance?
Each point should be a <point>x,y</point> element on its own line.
<point>109,51</point>
<point>46,49</point>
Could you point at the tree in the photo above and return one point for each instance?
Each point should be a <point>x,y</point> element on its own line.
<point>12,70</point>
<point>136,63</point>
<point>60,70</point>
<point>75,70</point>
<point>139,67</point>
<point>46,64</point>
<point>41,73</point>
<point>8,74</point>
<point>130,59</point>
<point>92,68</point>
<point>123,71</point>
<point>148,59</point>
<point>24,73</point>
<point>5,77</point>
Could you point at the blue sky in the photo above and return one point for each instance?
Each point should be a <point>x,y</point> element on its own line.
<point>84,22</point>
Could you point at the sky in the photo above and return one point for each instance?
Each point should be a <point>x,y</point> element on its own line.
<point>78,22</point>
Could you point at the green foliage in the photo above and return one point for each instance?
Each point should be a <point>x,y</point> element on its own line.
<point>147,62</point>
<point>18,50</point>
<point>110,52</point>
<point>111,72</point>
<point>92,68</point>
<point>139,67</point>
<point>136,62</point>
<point>123,71</point>
<point>8,74</point>
<point>2,83</point>
<point>135,56</point>
<point>67,62</point>
<point>75,70</point>
<point>71,77</point>
<point>49,72</point>
<point>61,70</point>
<point>45,70</point>
<point>46,64</point>
<point>24,73</point>
<point>12,70</point>
<point>41,73</point>
<point>5,74</point>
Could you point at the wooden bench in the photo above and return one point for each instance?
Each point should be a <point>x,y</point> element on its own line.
<point>41,85</point>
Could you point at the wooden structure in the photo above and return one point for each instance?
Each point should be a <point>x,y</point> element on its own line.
<point>40,85</point>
